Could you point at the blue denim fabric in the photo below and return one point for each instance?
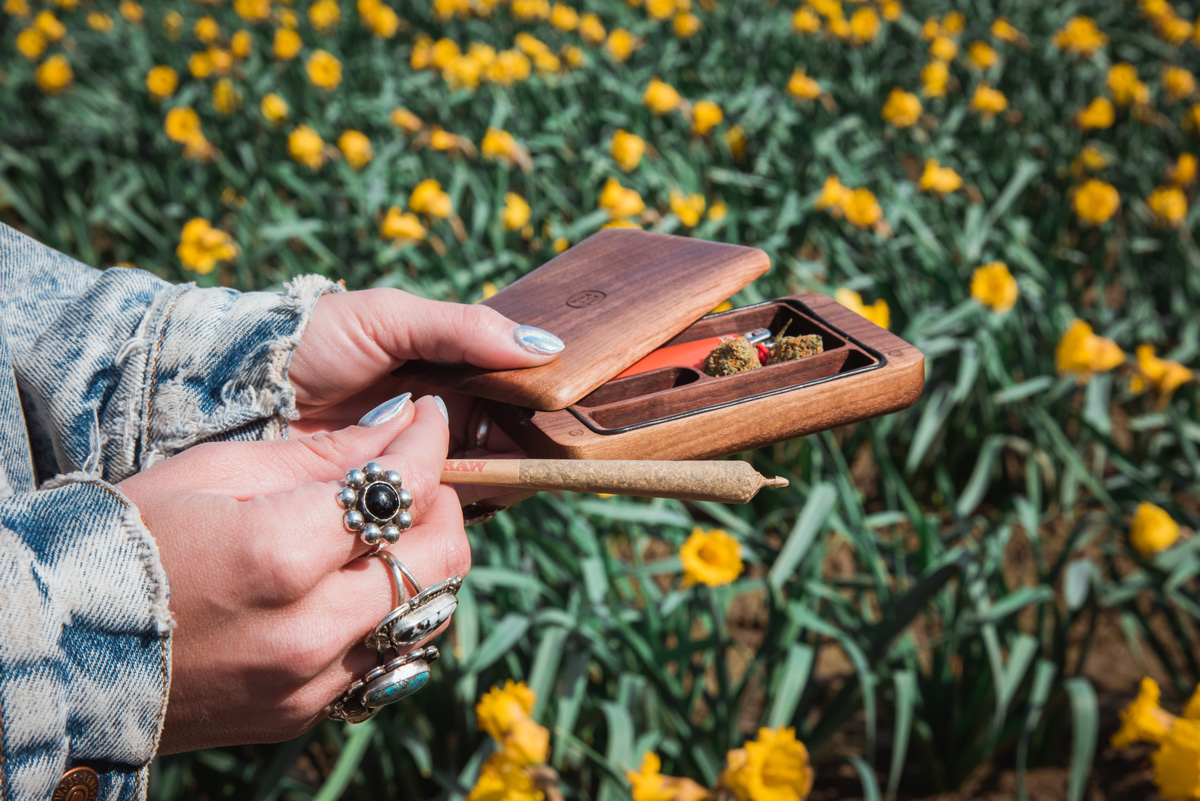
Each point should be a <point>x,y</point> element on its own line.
<point>102,374</point>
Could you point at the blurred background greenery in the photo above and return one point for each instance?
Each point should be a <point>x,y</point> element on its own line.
<point>958,591</point>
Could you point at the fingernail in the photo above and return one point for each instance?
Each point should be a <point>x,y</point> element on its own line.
<point>441,404</point>
<point>384,411</point>
<point>537,340</point>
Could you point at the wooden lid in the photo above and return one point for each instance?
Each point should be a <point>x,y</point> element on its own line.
<point>612,299</point>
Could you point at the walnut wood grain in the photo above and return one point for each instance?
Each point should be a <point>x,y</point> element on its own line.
<point>745,425</point>
<point>612,299</point>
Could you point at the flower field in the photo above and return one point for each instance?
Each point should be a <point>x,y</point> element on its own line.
<point>974,587</point>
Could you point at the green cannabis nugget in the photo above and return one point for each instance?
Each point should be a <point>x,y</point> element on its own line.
<point>735,356</point>
<point>786,349</point>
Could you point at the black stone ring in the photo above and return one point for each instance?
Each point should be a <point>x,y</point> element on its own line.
<point>375,503</point>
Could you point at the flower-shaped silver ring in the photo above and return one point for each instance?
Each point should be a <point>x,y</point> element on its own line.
<point>376,504</point>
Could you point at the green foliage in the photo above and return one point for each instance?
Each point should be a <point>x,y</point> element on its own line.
<point>893,547</point>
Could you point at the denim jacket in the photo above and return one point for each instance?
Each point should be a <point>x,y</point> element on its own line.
<point>103,374</point>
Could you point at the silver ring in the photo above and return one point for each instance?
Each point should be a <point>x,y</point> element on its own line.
<point>376,504</point>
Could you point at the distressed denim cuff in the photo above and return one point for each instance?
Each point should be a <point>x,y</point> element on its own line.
<point>84,639</point>
<point>135,370</point>
<point>216,365</point>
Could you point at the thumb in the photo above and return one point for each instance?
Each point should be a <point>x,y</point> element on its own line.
<point>410,327</point>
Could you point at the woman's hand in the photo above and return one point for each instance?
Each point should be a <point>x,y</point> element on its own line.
<point>343,364</point>
<point>270,602</point>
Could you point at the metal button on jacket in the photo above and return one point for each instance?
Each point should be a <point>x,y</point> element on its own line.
<point>78,784</point>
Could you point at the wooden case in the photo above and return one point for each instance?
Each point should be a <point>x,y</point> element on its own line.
<point>653,287</point>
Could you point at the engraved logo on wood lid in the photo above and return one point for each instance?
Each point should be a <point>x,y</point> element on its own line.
<point>586,298</point>
<point>78,784</point>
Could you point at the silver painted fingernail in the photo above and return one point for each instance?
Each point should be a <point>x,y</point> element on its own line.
<point>537,340</point>
<point>441,404</point>
<point>384,411</point>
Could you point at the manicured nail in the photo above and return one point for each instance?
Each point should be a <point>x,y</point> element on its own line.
<point>536,340</point>
<point>384,411</point>
<point>441,404</point>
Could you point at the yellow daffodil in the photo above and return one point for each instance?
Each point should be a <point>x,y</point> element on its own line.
<point>499,145</point>
<point>661,98</point>
<point>573,56</point>
<point>274,108</point>
<point>307,147</point>
<point>649,784</point>
<point>620,44</point>
<point>54,75</point>
<point>805,20</point>
<point>943,48</point>
<point>994,286</point>
<point>981,56</point>
<point>803,87</point>
<point>891,10</point>
<point>1178,83</point>
<point>1081,36</point>
<point>878,312</point>
<point>226,98</point>
<point>252,10</point>
<point>401,225</point>
<point>406,121</point>
<point>1143,720</point>
<point>181,124</point>
<point>201,246</point>
<point>939,179</point>
<point>1124,86</point>
<point>324,70</point>
<point>502,779</point>
<point>561,244</point>
<point>324,15</point>
<point>286,44</point>
<point>383,22</point>
<point>686,25</point>
<point>710,557</point>
<point>1003,30</point>
<point>99,21</point>
<point>735,139</point>
<point>1099,114</point>
<point>428,198</point>
<point>934,77</point>
<point>207,30</point>
<point>220,62</point>
<point>1151,531</point>
<point>356,148</point>
<point>718,211</point>
<point>31,43</point>
<point>131,11</point>
<point>500,707</point>
<point>953,23</point>
<point>659,9</point>
<point>49,26</point>
<point>1183,171</point>
<point>1169,205</point>
<point>834,196</point>
<point>515,214</point>
<point>1083,352</point>
<point>563,17</point>
<point>1090,159</point>
<point>931,29</point>
<point>240,44</point>
<point>773,767</point>
<point>864,25</point>
<point>901,109</point>
<point>988,101</point>
<point>627,149</point>
<point>706,115</point>
<point>688,208</point>
<point>17,8</point>
<point>620,201</point>
<point>1177,762</point>
<point>1164,375</point>
<point>591,29</point>
<point>161,82</point>
<point>1095,202</point>
<point>862,210</point>
<point>173,25</point>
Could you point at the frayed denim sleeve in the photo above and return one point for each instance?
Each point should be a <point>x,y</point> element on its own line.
<point>134,370</point>
<point>85,646</point>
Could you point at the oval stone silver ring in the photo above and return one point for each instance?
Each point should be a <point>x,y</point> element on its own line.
<point>376,504</point>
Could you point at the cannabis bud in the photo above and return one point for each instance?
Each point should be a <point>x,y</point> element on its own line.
<point>786,349</point>
<point>736,355</point>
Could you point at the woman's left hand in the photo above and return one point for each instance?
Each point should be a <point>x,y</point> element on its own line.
<point>343,365</point>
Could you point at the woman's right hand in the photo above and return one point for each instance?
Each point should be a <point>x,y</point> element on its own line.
<point>270,600</point>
